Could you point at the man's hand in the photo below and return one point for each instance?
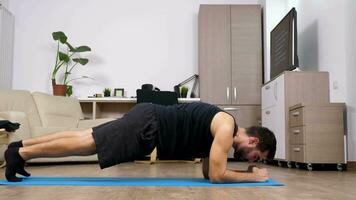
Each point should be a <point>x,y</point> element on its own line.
<point>261,175</point>
<point>249,169</point>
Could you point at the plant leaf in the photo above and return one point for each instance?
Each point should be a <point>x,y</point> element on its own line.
<point>71,48</point>
<point>59,35</point>
<point>81,49</point>
<point>82,61</point>
<point>63,57</point>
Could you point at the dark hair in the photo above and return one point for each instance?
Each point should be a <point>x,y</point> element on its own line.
<point>267,139</point>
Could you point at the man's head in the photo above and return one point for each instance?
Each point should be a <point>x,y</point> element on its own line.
<point>255,143</point>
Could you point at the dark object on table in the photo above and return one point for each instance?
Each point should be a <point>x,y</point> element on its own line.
<point>165,98</point>
<point>149,86</point>
<point>9,126</point>
<point>156,97</point>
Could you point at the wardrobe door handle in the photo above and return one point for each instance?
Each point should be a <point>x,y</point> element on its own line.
<point>235,93</point>
<point>230,109</point>
<point>228,93</point>
<point>296,131</point>
<point>267,87</point>
<point>275,91</point>
<point>268,112</point>
<point>295,114</point>
<point>297,149</point>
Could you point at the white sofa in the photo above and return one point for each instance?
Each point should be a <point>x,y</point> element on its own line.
<point>41,114</point>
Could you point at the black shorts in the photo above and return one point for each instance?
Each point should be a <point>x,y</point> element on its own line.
<point>129,138</point>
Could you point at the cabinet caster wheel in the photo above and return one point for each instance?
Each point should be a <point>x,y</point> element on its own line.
<point>310,167</point>
<point>289,164</point>
<point>340,167</point>
<point>280,164</point>
<point>297,165</point>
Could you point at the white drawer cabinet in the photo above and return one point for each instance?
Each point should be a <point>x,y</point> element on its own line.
<point>273,110</point>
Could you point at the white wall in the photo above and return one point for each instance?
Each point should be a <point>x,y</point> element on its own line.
<point>326,42</point>
<point>350,75</point>
<point>6,48</point>
<point>133,42</point>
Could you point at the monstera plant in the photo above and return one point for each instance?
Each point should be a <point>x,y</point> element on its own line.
<point>66,56</point>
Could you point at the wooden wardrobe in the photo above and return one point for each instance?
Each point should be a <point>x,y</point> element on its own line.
<point>230,60</point>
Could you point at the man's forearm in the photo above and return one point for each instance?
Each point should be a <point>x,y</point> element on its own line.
<point>249,169</point>
<point>231,176</point>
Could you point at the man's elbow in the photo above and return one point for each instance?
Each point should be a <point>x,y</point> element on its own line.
<point>216,179</point>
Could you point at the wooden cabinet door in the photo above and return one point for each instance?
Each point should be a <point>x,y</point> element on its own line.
<point>214,54</point>
<point>246,52</point>
<point>245,116</point>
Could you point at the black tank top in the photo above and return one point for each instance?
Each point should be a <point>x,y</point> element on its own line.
<point>185,130</point>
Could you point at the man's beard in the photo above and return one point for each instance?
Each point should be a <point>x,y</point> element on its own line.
<point>240,155</point>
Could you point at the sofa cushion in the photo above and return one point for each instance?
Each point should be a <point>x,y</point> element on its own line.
<point>58,111</point>
<point>20,100</point>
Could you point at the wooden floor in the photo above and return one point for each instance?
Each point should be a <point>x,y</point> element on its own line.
<point>300,184</point>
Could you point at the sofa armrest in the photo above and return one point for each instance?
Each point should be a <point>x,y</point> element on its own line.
<point>20,117</point>
<point>90,123</point>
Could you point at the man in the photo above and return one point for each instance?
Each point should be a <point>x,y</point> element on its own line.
<point>193,130</point>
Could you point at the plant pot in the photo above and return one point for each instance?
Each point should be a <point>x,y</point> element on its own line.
<point>59,90</point>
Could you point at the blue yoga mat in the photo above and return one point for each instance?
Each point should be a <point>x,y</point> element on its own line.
<point>125,181</point>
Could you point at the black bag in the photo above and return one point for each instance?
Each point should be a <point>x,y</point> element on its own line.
<point>9,126</point>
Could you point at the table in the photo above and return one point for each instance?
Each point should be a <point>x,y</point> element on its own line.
<point>113,107</point>
<point>4,140</point>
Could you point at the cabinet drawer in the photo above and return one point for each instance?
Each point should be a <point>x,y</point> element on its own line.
<point>296,135</point>
<point>297,153</point>
<point>296,117</point>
